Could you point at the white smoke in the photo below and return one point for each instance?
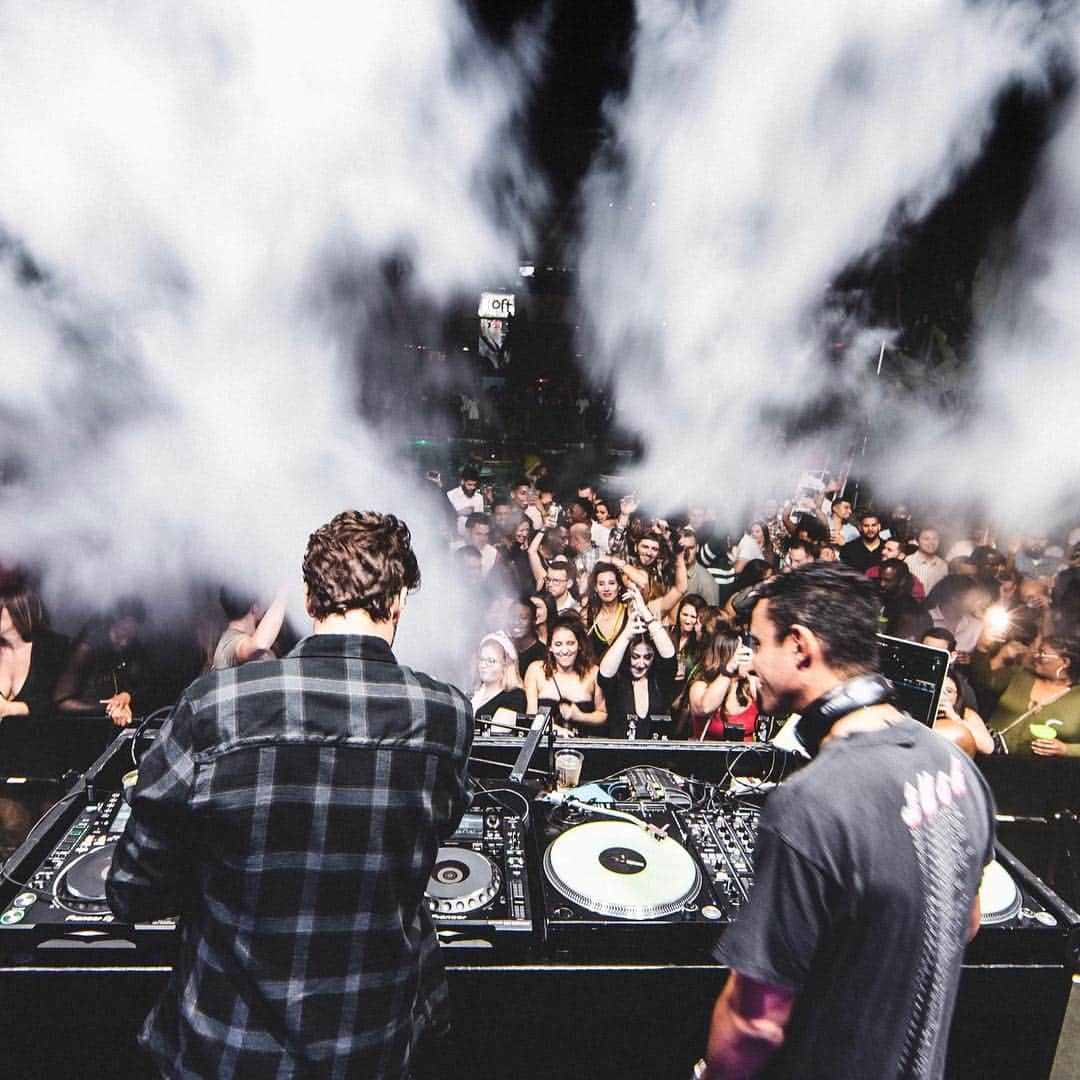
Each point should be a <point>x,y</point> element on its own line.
<point>760,150</point>
<point>191,180</point>
<point>1028,385</point>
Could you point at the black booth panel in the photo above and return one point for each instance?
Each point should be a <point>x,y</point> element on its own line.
<point>527,1023</point>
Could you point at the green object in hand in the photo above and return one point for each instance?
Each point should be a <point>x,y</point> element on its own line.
<point>1042,731</point>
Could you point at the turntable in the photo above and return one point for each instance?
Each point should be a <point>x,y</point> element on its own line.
<point>619,870</point>
<point>613,885</point>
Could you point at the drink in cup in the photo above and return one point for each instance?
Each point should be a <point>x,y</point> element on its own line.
<point>568,769</point>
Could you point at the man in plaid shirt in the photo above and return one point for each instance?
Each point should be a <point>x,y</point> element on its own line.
<point>290,811</point>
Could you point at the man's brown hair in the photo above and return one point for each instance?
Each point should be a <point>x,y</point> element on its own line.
<point>360,559</point>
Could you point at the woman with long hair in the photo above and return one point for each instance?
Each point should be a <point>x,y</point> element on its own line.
<point>546,614</point>
<point>685,631</point>
<point>566,679</point>
<point>605,612</point>
<point>637,673</point>
<point>956,704</point>
<point>32,656</point>
<point>722,694</point>
<point>497,690</point>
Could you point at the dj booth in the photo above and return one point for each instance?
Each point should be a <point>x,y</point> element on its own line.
<point>577,936</point>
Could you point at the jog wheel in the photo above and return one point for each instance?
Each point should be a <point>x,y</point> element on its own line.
<point>462,881</point>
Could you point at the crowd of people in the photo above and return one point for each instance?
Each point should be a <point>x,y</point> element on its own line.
<point>617,618</point>
<point>624,622</point>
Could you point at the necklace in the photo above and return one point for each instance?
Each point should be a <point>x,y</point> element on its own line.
<point>620,612</point>
<point>1037,703</point>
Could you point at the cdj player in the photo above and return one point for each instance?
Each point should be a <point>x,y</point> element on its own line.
<point>478,891</point>
<point>62,908</point>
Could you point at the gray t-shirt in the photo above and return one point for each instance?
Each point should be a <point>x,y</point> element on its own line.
<point>225,651</point>
<point>867,866</point>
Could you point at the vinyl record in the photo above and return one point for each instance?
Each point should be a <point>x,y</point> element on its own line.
<point>617,869</point>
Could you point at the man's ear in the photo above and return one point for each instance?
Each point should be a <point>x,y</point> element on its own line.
<point>806,645</point>
<point>397,605</point>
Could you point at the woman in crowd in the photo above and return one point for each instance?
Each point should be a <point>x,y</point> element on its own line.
<point>722,694</point>
<point>497,695</point>
<point>957,701</point>
<point>521,629</point>
<point>603,524</point>
<point>685,630</point>
<point>1043,695</point>
<point>637,673</point>
<point>606,614</point>
<point>754,545</point>
<point>546,614</point>
<point>566,680</point>
<point>32,656</point>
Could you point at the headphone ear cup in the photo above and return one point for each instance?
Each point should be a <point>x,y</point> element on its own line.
<point>820,715</point>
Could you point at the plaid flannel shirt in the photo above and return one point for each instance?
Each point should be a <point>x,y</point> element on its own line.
<point>291,811</point>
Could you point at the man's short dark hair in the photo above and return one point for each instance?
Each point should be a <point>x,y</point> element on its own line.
<point>561,563</point>
<point>359,560</point>
<point>836,604</point>
<point>814,527</point>
<point>940,633</point>
<point>864,514</point>
<point>477,518</point>
<point>811,549</point>
<point>469,472</point>
<point>235,604</point>
<point>586,507</point>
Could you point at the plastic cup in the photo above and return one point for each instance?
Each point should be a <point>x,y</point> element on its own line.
<point>568,769</point>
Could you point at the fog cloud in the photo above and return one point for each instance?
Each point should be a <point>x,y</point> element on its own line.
<point>761,150</point>
<point>183,185</point>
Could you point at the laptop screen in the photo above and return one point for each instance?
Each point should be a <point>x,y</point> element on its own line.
<point>918,673</point>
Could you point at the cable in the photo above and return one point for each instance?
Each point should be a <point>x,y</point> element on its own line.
<point>62,801</point>
<point>505,791</point>
<point>146,720</point>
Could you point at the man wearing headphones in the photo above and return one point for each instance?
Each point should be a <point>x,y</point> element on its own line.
<point>846,961</point>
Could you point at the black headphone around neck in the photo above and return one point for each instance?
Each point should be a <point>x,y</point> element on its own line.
<point>820,715</point>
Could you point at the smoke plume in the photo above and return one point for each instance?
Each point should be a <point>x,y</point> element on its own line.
<point>759,151</point>
<point>197,204</point>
